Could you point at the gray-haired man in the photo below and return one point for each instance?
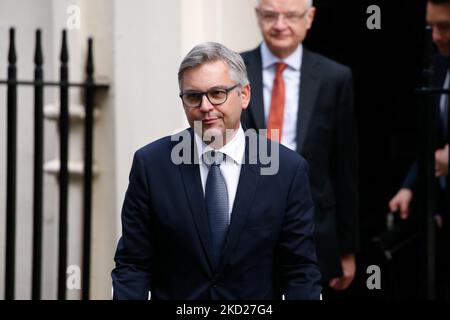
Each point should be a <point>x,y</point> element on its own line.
<point>309,98</point>
<point>214,227</point>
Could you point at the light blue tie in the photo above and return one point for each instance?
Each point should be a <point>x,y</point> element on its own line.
<point>216,198</point>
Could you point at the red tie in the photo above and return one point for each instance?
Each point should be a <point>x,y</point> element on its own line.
<point>276,113</point>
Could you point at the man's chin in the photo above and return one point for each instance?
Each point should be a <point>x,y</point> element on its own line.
<point>281,47</point>
<point>280,44</point>
<point>213,136</point>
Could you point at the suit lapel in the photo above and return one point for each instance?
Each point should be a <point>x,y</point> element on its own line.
<point>254,71</point>
<point>245,194</point>
<point>190,174</point>
<point>309,87</point>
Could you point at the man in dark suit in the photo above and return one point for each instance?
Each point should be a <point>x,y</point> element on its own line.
<point>438,17</point>
<point>309,99</point>
<point>201,219</point>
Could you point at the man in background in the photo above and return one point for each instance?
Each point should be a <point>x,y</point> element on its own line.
<point>309,99</point>
<point>438,17</point>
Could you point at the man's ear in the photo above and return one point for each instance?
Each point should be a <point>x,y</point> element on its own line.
<point>310,16</point>
<point>245,95</point>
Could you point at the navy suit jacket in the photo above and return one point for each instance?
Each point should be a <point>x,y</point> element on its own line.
<point>165,243</point>
<point>326,138</point>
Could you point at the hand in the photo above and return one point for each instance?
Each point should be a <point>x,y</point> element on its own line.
<point>441,162</point>
<point>401,201</point>
<point>439,221</point>
<point>348,273</point>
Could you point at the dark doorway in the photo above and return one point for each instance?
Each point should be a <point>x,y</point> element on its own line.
<point>387,66</point>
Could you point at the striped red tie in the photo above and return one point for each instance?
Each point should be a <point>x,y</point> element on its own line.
<point>276,113</point>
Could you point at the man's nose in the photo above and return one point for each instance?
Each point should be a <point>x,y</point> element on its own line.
<point>437,34</point>
<point>280,23</point>
<point>206,106</point>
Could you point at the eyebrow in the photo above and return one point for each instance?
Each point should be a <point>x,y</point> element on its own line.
<point>282,12</point>
<point>212,88</point>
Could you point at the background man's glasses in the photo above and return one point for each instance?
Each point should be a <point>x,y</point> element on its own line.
<point>216,96</point>
<point>271,17</point>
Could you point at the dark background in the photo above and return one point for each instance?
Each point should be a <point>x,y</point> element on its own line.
<point>387,66</point>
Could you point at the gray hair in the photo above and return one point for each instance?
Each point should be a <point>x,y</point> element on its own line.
<point>210,52</point>
<point>309,3</point>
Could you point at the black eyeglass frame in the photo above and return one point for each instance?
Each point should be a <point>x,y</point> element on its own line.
<point>225,90</point>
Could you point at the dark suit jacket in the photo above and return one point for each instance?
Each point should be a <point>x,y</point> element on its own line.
<point>326,138</point>
<point>165,244</point>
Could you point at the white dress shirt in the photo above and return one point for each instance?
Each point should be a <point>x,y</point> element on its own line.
<point>230,167</point>
<point>291,76</point>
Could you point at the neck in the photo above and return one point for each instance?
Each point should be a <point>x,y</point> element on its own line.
<point>282,54</point>
<point>220,140</point>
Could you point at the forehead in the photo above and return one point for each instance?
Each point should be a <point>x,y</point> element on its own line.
<point>207,75</point>
<point>438,13</point>
<point>283,5</point>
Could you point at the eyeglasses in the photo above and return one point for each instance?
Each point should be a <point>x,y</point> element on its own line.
<point>291,17</point>
<point>216,96</point>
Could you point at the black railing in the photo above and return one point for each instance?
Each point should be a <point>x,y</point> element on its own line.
<point>38,186</point>
<point>63,166</point>
<point>90,87</point>
<point>11,170</point>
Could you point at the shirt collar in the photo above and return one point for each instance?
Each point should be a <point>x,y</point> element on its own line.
<point>234,149</point>
<point>294,60</point>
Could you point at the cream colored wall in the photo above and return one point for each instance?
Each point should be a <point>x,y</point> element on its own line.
<point>231,22</point>
<point>138,45</point>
